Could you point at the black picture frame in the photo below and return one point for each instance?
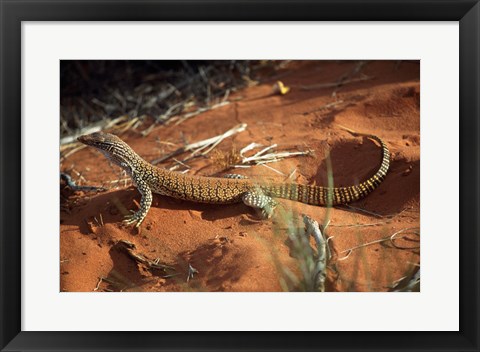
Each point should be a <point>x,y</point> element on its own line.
<point>14,12</point>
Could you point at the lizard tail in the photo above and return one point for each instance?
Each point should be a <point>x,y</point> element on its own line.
<point>317,195</point>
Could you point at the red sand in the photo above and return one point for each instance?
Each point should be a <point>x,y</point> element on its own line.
<point>231,249</point>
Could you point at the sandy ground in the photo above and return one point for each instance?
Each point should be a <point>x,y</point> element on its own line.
<point>230,248</point>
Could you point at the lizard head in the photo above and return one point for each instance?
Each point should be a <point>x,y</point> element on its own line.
<point>112,147</point>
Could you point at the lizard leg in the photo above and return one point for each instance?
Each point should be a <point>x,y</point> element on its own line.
<point>263,204</point>
<point>234,176</point>
<point>145,202</point>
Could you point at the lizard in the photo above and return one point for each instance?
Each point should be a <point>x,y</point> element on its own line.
<point>228,189</point>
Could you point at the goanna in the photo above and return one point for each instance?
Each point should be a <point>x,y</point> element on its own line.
<point>224,190</point>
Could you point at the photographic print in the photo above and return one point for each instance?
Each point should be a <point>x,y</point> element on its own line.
<point>242,176</point>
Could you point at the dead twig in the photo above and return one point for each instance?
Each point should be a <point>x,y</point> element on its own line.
<point>106,279</point>
<point>260,157</point>
<point>96,127</point>
<point>319,270</point>
<point>129,248</point>
<point>391,239</point>
<point>290,175</point>
<point>408,284</point>
<point>71,184</point>
<point>336,84</point>
<point>191,271</point>
<point>199,146</point>
<point>75,149</point>
<point>199,111</point>
<point>325,107</point>
<point>388,216</point>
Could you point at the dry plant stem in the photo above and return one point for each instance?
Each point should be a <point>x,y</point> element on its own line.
<point>358,67</point>
<point>412,285</point>
<point>70,183</point>
<point>365,225</point>
<point>98,126</point>
<point>414,230</point>
<point>391,239</point>
<point>326,106</point>
<point>273,169</point>
<point>171,110</point>
<point>200,145</point>
<point>90,129</point>
<point>336,84</point>
<point>389,216</point>
<point>191,271</point>
<point>290,175</point>
<point>272,157</point>
<point>101,279</point>
<point>127,125</point>
<point>197,112</point>
<point>163,96</point>
<point>320,268</point>
<point>328,160</point>
<point>116,183</point>
<point>181,163</point>
<point>72,151</point>
<point>129,248</point>
<point>260,158</point>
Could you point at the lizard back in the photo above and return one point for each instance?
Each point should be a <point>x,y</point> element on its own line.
<point>217,190</point>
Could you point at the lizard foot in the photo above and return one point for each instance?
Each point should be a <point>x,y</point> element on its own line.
<point>135,217</point>
<point>263,204</point>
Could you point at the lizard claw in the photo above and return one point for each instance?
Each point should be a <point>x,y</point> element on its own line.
<point>133,218</point>
<point>263,204</point>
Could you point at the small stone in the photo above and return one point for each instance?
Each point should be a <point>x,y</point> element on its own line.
<point>280,88</point>
<point>408,171</point>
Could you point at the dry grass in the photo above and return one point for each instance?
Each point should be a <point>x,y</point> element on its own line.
<point>96,93</point>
